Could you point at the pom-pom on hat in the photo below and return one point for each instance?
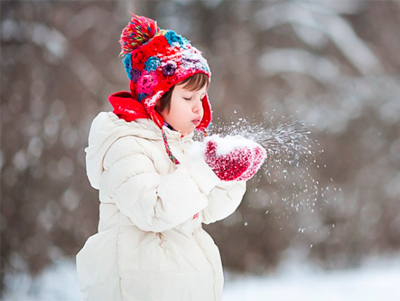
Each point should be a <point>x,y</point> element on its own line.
<point>155,60</point>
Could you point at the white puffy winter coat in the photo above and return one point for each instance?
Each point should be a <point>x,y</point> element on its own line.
<point>150,243</point>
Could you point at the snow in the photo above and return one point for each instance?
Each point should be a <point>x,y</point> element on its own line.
<point>375,280</point>
<point>227,144</point>
<point>57,282</point>
<point>378,281</point>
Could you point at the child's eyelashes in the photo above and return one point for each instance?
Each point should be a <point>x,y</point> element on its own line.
<point>191,97</point>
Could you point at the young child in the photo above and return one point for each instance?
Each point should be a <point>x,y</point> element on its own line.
<point>154,192</point>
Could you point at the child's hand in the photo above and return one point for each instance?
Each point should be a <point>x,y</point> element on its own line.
<point>237,161</point>
<point>259,155</point>
<point>230,166</point>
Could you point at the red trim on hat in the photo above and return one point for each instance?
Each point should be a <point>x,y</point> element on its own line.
<point>126,107</point>
<point>159,120</point>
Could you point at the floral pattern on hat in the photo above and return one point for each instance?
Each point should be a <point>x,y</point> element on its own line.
<point>152,63</point>
<point>169,68</point>
<point>146,82</point>
<point>175,39</point>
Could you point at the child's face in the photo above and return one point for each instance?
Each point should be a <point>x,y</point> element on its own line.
<point>186,110</point>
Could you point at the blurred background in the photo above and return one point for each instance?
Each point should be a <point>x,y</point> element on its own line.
<point>332,65</point>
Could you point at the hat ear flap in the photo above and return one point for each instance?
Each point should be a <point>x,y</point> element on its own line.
<point>207,114</point>
<point>157,118</point>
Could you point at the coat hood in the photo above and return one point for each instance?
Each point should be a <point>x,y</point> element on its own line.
<point>107,128</point>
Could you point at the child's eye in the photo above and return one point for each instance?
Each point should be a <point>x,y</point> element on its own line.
<point>187,98</point>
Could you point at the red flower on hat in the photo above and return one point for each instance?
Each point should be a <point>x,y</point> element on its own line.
<point>158,45</point>
<point>139,58</point>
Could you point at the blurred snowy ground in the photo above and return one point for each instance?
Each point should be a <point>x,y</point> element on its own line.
<point>377,279</point>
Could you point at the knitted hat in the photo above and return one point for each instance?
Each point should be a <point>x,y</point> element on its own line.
<point>155,60</point>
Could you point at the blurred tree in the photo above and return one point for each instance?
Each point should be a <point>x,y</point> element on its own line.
<point>58,65</point>
<point>333,64</point>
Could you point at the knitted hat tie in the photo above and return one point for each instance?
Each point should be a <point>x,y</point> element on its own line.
<point>168,149</point>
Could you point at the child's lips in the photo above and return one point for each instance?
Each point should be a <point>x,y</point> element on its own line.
<point>196,121</point>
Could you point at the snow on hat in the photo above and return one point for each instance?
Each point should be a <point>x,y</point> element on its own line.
<point>155,60</point>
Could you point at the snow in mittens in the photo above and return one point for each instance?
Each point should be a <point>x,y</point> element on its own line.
<point>230,166</point>
<point>231,157</point>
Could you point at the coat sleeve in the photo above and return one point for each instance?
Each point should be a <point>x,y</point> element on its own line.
<point>152,201</point>
<point>223,200</point>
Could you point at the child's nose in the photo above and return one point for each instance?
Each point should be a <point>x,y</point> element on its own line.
<point>198,107</point>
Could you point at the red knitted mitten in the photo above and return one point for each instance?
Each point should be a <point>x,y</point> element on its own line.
<point>230,166</point>
<point>259,155</point>
<point>239,159</point>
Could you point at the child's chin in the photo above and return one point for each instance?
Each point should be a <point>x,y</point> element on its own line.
<point>187,132</point>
